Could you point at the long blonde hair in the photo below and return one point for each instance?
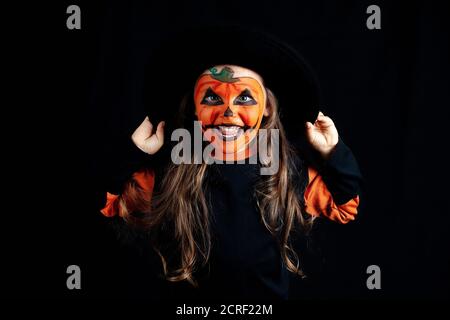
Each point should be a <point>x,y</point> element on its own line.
<point>179,208</point>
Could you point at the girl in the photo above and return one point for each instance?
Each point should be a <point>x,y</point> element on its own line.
<point>227,216</point>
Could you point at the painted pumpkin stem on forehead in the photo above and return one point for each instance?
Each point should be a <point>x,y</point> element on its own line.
<point>225,75</point>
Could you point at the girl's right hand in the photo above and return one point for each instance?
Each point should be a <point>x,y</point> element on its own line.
<point>144,138</point>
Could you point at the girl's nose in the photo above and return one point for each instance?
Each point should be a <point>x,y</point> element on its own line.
<point>228,112</point>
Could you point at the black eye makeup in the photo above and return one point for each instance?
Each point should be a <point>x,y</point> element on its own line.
<point>245,99</point>
<point>211,98</point>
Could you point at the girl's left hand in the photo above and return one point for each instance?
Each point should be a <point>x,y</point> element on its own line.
<point>322,135</point>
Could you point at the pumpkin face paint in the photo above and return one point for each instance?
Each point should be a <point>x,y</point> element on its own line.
<point>230,104</point>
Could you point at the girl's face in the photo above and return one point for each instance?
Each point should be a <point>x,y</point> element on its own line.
<point>230,101</point>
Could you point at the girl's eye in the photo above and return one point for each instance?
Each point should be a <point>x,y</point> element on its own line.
<point>212,99</point>
<point>245,100</point>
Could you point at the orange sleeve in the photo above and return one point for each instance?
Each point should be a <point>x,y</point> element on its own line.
<point>319,201</point>
<point>146,181</point>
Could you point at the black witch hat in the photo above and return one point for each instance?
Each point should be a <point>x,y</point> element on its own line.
<point>179,60</point>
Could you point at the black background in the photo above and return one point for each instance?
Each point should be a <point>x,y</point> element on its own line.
<point>79,95</point>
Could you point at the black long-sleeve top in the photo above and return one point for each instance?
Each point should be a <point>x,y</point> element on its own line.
<point>245,259</point>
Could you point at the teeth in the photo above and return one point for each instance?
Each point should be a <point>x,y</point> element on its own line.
<point>230,131</point>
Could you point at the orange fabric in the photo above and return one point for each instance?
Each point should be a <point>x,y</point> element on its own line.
<point>109,210</point>
<point>144,178</point>
<point>319,201</point>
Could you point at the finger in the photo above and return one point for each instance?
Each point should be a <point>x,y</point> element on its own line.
<point>153,143</point>
<point>143,131</point>
<point>309,130</point>
<point>160,131</point>
<point>323,121</point>
<point>320,116</point>
<point>146,126</point>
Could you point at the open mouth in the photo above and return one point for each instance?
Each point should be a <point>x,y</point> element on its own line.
<point>228,132</point>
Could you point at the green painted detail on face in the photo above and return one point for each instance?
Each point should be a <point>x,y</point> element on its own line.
<point>225,75</point>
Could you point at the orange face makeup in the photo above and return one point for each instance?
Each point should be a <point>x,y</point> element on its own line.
<point>231,110</point>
